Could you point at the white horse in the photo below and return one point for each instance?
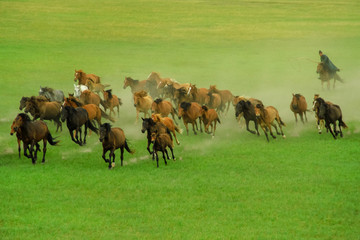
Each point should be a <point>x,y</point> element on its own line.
<point>78,89</point>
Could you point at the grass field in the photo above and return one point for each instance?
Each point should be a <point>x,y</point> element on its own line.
<point>235,186</point>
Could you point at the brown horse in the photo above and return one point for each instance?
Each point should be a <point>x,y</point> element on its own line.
<point>96,87</point>
<point>163,107</point>
<point>266,117</point>
<point>169,123</point>
<point>316,108</point>
<point>112,139</point>
<point>214,101</point>
<point>199,95</point>
<point>31,132</point>
<point>142,103</point>
<point>190,112</point>
<point>226,96</point>
<point>88,97</point>
<point>331,113</point>
<point>83,77</point>
<point>111,101</point>
<point>209,118</point>
<point>298,105</point>
<point>160,142</point>
<point>44,110</point>
<point>325,75</point>
<point>135,85</point>
<point>24,100</point>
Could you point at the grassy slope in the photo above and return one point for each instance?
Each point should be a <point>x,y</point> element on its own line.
<point>304,187</point>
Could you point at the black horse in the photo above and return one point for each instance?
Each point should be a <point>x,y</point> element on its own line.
<point>248,111</point>
<point>75,118</point>
<point>331,113</point>
<point>149,126</point>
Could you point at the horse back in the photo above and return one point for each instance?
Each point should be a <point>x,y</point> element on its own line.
<point>119,136</point>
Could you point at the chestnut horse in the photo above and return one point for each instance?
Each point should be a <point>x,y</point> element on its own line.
<point>112,101</point>
<point>88,97</point>
<point>209,118</point>
<point>31,132</point>
<point>199,95</point>
<point>266,117</point>
<point>325,75</point>
<point>298,105</point>
<point>214,101</point>
<point>142,103</point>
<point>44,110</point>
<point>135,85</point>
<point>24,100</point>
<point>163,107</point>
<point>169,123</point>
<point>96,87</point>
<point>112,139</point>
<point>149,126</point>
<point>190,112</point>
<point>226,96</point>
<point>83,77</point>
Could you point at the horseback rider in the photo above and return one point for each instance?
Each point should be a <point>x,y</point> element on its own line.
<point>328,64</point>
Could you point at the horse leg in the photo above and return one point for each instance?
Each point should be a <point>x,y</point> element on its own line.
<point>118,110</point>
<point>31,150</point>
<point>163,154</point>
<point>72,136</point>
<point>271,133</point>
<point>247,127</point>
<point>172,153</point>
<point>214,129</point>
<point>340,121</point>
<point>177,141</point>
<point>86,127</point>
<point>19,146</point>
<point>276,129</point>
<point>122,155</point>
<point>265,131</point>
<point>44,150</point>
<point>194,127</point>
<point>305,116</point>
<point>328,127</point>
<point>200,124</point>
<point>157,158</point>
<point>301,117</point>
<point>103,155</point>
<point>167,154</point>
<point>295,117</point>
<point>318,126</point>
<point>187,128</point>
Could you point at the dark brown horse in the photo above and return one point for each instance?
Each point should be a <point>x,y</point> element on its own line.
<point>325,75</point>
<point>82,77</point>
<point>298,105</point>
<point>75,118</point>
<point>149,126</point>
<point>226,96</point>
<point>135,85</point>
<point>169,123</point>
<point>246,108</point>
<point>44,110</point>
<point>30,133</point>
<point>24,100</point>
<point>160,143</point>
<point>112,139</point>
<point>331,113</point>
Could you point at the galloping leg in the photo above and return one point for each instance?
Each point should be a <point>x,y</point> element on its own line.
<point>193,127</point>
<point>172,153</point>
<point>247,127</point>
<point>122,155</point>
<point>44,150</point>
<point>305,116</point>
<point>163,154</point>
<point>301,117</point>
<point>295,117</point>
<point>86,127</point>
<point>167,154</point>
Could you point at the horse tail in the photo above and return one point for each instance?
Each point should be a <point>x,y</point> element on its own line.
<point>174,110</point>
<point>128,149</point>
<point>337,77</point>
<point>92,127</point>
<point>103,104</point>
<point>218,120</point>
<point>343,124</point>
<point>281,122</point>
<point>104,115</point>
<point>51,140</point>
<point>120,102</point>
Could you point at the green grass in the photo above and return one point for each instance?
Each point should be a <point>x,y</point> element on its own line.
<point>235,186</point>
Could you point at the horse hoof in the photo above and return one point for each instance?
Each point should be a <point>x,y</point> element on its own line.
<point>284,136</point>
<point>113,164</point>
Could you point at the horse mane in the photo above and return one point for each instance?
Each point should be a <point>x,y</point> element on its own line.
<point>25,117</point>
<point>320,100</point>
<point>107,127</point>
<point>298,95</point>
<point>47,89</point>
<point>205,108</point>
<point>141,93</point>
<point>213,89</point>
<point>79,104</point>
<point>158,100</point>
<point>109,93</point>
<point>185,105</point>
<point>157,117</point>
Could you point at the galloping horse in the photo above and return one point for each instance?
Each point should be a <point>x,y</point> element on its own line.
<point>226,96</point>
<point>88,97</point>
<point>190,112</point>
<point>326,75</point>
<point>112,139</point>
<point>160,143</point>
<point>111,101</point>
<point>78,89</point>
<point>163,107</point>
<point>331,113</point>
<point>149,126</point>
<point>169,123</point>
<point>316,108</point>
<point>298,105</point>
<point>24,100</point>
<point>96,87</point>
<point>246,108</point>
<point>52,94</point>
<point>135,85</point>
<point>142,103</point>
<point>31,132</point>
<point>199,95</point>
<point>266,117</point>
<point>83,77</point>
<point>75,118</point>
<point>209,118</point>
<point>44,110</point>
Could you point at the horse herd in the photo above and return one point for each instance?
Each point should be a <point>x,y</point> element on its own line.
<point>195,106</point>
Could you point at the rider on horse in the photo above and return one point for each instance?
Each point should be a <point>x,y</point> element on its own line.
<point>328,64</point>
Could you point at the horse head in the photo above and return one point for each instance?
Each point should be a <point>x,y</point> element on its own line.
<point>146,124</point>
<point>104,131</point>
<point>259,110</point>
